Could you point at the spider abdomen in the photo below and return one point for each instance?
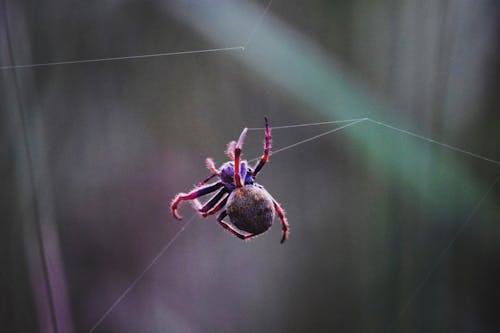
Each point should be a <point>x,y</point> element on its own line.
<point>251,209</point>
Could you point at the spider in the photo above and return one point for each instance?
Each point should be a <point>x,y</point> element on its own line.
<point>250,207</point>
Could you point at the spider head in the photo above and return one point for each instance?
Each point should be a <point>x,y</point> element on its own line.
<point>226,174</point>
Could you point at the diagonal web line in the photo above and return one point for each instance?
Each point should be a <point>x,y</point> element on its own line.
<point>140,56</point>
<point>141,275</point>
<point>308,124</point>
<point>257,25</point>
<point>311,138</point>
<point>378,123</point>
<point>441,255</point>
<point>148,55</point>
<point>445,145</point>
<point>317,136</point>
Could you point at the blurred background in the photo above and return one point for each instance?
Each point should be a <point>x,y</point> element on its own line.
<point>389,232</point>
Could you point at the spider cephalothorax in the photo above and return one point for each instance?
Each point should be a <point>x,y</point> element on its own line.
<point>249,206</point>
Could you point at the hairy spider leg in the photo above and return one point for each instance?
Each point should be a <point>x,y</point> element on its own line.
<point>284,222</point>
<point>215,209</point>
<point>204,181</point>
<point>231,229</point>
<point>267,148</point>
<point>212,202</point>
<point>237,153</point>
<point>210,166</point>
<point>230,150</point>
<point>202,209</point>
<point>197,192</point>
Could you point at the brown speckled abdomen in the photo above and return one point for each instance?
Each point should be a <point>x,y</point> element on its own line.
<point>250,209</point>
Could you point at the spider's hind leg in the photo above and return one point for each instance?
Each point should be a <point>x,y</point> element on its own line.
<point>230,228</point>
<point>284,222</point>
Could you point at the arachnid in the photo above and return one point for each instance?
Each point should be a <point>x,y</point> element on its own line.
<point>249,206</point>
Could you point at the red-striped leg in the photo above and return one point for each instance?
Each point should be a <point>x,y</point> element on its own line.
<point>218,207</point>
<point>230,228</point>
<point>267,148</point>
<point>212,202</point>
<point>284,221</point>
<point>237,153</point>
<point>197,192</point>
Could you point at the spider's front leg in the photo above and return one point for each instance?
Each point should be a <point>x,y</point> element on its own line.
<point>267,148</point>
<point>210,166</point>
<point>237,153</point>
<point>197,192</point>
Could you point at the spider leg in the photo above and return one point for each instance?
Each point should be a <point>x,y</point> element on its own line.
<point>212,202</point>
<point>284,221</point>
<point>215,209</point>
<point>229,228</point>
<point>267,147</point>
<point>237,153</point>
<point>203,182</point>
<point>210,166</point>
<point>197,192</point>
<point>230,150</point>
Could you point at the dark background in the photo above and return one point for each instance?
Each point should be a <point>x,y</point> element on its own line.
<point>388,232</point>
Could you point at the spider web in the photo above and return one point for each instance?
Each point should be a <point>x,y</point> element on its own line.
<point>349,122</point>
<point>344,125</point>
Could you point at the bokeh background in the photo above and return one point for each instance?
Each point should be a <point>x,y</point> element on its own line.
<point>389,233</point>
